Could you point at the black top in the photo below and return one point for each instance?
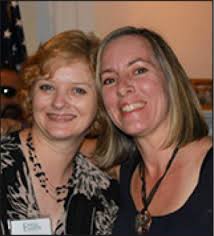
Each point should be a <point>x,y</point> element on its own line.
<point>194,218</point>
<point>91,205</point>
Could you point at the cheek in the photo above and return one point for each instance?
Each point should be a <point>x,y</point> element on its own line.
<point>146,85</point>
<point>109,99</point>
<point>39,102</point>
<point>151,87</point>
<point>161,92</point>
<point>110,102</point>
<point>161,99</point>
<point>93,106</point>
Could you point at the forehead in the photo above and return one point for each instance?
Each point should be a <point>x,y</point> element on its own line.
<point>53,63</point>
<point>127,46</point>
<point>78,72</point>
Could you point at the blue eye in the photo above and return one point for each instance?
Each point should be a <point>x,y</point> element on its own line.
<point>80,91</point>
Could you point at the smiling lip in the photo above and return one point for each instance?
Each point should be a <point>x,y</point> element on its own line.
<point>132,107</point>
<point>61,117</point>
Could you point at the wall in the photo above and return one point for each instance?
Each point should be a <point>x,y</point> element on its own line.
<point>186,25</point>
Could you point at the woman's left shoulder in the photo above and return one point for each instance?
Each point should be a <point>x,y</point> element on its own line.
<point>206,146</point>
<point>206,160</point>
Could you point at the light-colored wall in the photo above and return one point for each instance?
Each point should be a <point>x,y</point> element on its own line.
<point>29,16</point>
<point>186,25</point>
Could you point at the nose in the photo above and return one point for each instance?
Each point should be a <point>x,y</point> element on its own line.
<point>59,100</point>
<point>125,86</point>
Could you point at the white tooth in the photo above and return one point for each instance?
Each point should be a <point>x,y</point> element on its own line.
<point>132,107</point>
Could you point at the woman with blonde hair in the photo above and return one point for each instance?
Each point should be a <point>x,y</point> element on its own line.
<point>43,174</point>
<point>157,134</point>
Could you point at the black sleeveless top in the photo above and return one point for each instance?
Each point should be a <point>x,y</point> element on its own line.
<point>194,218</point>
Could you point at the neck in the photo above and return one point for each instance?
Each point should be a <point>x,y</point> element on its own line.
<point>155,157</point>
<point>55,156</point>
<point>63,147</point>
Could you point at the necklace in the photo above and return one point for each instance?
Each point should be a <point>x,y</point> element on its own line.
<point>144,219</point>
<point>58,193</point>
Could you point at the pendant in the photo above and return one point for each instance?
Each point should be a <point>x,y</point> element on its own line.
<point>143,222</point>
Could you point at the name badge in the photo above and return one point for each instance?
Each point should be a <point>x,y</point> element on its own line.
<point>38,226</point>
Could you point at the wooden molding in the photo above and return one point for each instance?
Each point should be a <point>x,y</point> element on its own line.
<point>204,90</point>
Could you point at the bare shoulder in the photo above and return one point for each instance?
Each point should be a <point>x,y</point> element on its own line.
<point>204,145</point>
<point>199,149</point>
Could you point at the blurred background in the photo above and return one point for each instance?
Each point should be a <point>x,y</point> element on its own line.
<point>186,25</point>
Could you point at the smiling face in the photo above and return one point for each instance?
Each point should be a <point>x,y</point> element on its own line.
<point>65,105</point>
<point>133,86</point>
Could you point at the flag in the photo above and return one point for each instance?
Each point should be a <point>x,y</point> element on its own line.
<point>13,49</point>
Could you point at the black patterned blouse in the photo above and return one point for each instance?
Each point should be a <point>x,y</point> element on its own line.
<point>90,207</point>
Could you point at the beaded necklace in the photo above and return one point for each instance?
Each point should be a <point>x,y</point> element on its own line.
<point>58,193</point>
<point>143,219</point>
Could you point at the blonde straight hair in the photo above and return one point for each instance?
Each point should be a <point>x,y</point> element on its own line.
<point>186,119</point>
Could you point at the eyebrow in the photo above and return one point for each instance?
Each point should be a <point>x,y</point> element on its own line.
<point>76,83</point>
<point>139,59</point>
<point>85,84</point>
<point>107,71</point>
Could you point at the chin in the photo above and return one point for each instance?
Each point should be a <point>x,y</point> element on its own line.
<point>134,132</point>
<point>59,135</point>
